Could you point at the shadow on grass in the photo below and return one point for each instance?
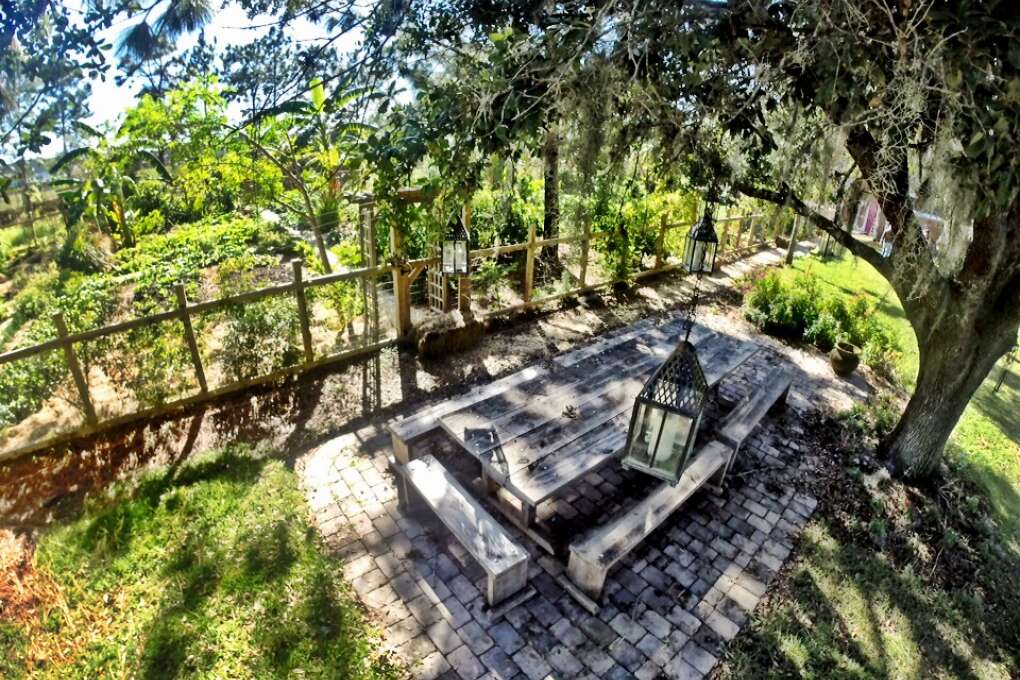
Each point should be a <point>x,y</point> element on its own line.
<point>224,576</point>
<point>897,583</point>
<point>812,635</point>
<point>1002,407</point>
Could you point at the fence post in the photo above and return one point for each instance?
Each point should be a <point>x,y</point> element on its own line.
<point>72,364</point>
<point>660,241</point>
<point>529,263</point>
<point>189,337</point>
<point>724,240</point>
<point>401,284</point>
<point>585,244</point>
<point>302,307</point>
<point>464,282</point>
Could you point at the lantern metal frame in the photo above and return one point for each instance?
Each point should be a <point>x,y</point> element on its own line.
<point>702,236</point>
<point>674,396</point>
<point>455,258</point>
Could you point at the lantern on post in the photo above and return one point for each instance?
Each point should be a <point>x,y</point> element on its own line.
<point>455,249</point>
<point>702,244</point>
<point>666,416</point>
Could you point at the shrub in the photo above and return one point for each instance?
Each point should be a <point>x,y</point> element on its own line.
<point>159,261</point>
<point>797,310</point>
<point>260,336</point>
<point>27,383</point>
<point>159,367</point>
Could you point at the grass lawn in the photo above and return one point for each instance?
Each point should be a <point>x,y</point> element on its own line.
<point>986,443</point>
<point>206,570</point>
<point>899,582</point>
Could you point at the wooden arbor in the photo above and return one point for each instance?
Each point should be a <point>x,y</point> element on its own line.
<point>406,272</point>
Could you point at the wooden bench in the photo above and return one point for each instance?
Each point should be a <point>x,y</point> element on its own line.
<point>592,556</point>
<point>504,561</point>
<point>742,420</point>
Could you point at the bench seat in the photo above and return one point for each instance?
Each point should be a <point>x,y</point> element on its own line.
<point>504,561</point>
<point>593,555</point>
<point>747,414</point>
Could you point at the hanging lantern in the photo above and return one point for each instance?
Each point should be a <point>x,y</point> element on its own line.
<point>702,244</point>
<point>666,416</point>
<point>455,249</point>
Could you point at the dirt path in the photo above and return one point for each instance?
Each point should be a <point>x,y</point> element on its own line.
<point>289,418</point>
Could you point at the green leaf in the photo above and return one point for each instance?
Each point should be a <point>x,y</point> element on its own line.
<point>68,157</point>
<point>318,93</point>
<point>88,129</point>
<point>157,164</point>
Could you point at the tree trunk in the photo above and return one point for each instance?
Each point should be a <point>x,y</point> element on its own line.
<point>791,247</point>
<point>26,200</point>
<point>551,218</point>
<point>320,245</point>
<point>954,361</point>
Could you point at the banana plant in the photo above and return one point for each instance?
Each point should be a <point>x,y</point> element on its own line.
<point>316,144</point>
<point>102,195</point>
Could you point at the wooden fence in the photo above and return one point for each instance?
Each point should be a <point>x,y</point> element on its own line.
<point>737,235</point>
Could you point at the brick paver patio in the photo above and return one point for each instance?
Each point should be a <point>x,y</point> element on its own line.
<point>667,612</point>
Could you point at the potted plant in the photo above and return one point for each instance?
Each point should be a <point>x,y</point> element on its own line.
<point>844,357</point>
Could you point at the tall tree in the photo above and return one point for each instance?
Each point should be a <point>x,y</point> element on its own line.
<point>923,97</point>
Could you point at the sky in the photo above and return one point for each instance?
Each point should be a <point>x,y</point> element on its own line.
<point>230,26</point>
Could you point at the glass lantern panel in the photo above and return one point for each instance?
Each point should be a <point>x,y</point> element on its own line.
<point>698,260</point>
<point>460,256</point>
<point>448,259</point>
<point>647,425</point>
<point>672,446</point>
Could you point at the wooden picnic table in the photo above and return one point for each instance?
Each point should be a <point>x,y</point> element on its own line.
<point>540,435</point>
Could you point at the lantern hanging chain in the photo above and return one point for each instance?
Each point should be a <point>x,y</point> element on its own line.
<point>691,311</point>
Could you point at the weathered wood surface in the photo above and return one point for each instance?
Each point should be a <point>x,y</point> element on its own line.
<point>725,363</point>
<point>583,455</point>
<point>516,411</point>
<point>544,431</point>
<point>562,447</point>
<point>405,432</point>
<point>505,562</point>
<point>592,556</point>
<point>749,412</point>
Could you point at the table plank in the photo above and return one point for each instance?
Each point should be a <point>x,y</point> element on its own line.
<point>482,430</point>
<point>536,434</point>
<point>546,474</point>
<point>483,426</point>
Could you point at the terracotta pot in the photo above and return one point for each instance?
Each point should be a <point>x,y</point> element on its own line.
<point>844,358</point>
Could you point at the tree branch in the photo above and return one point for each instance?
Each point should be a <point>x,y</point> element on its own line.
<point>786,197</point>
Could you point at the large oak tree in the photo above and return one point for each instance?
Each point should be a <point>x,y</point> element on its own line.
<point>922,96</point>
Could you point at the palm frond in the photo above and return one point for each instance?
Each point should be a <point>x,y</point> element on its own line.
<point>293,106</point>
<point>68,157</point>
<point>341,99</point>
<point>138,42</point>
<point>88,129</point>
<point>353,129</point>
<point>153,160</point>
<point>184,16</point>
